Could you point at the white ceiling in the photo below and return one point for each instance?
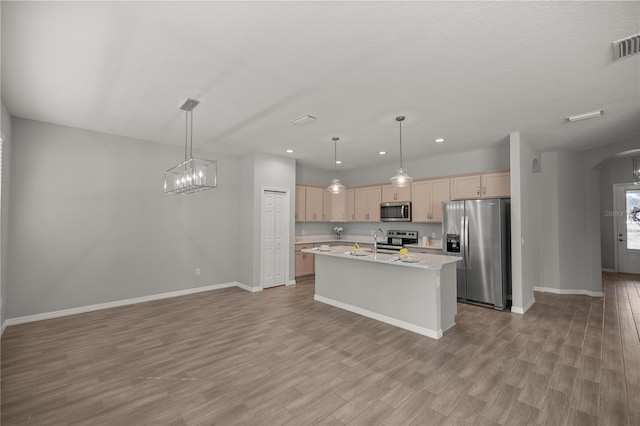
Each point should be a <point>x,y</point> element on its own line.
<point>468,72</point>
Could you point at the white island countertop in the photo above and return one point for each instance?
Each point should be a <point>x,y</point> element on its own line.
<point>420,260</point>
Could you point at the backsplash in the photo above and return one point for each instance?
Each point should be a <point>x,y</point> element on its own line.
<point>362,228</point>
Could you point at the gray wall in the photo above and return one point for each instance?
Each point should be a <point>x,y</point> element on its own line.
<point>262,171</point>
<point>481,160</point>
<point>612,171</point>
<point>525,220</point>
<point>5,126</point>
<point>306,175</point>
<point>90,222</point>
<point>549,216</point>
<point>570,238</point>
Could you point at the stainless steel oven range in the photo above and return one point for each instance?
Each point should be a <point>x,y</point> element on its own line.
<point>397,239</point>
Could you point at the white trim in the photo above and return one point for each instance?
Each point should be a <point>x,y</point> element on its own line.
<point>4,326</point>
<point>434,334</point>
<point>609,270</point>
<point>291,282</point>
<point>517,310</point>
<point>115,304</point>
<point>527,306</point>
<point>568,291</point>
<point>248,287</point>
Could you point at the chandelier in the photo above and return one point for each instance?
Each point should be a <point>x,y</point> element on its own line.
<point>193,174</point>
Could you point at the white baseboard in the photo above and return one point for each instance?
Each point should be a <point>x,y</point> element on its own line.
<point>248,287</point>
<point>434,334</point>
<point>568,291</point>
<point>609,270</point>
<point>4,325</point>
<point>527,306</point>
<point>115,304</point>
<point>291,282</point>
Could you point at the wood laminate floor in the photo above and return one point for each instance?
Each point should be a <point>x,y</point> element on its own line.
<point>278,357</point>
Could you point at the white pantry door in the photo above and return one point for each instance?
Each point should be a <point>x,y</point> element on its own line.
<point>273,242</point>
<point>627,216</point>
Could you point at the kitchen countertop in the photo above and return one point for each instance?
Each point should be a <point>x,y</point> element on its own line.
<point>424,260</point>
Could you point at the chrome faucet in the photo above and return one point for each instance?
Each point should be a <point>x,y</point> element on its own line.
<point>375,239</point>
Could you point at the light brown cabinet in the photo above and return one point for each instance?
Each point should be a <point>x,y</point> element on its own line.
<point>496,185</point>
<point>326,205</point>
<point>305,262</point>
<point>338,207</point>
<point>367,204</point>
<point>313,204</point>
<point>428,196</point>
<point>300,203</point>
<point>351,205</point>
<point>489,185</point>
<point>391,193</point>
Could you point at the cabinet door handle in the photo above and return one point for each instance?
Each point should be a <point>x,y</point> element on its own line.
<point>478,190</point>
<point>484,190</point>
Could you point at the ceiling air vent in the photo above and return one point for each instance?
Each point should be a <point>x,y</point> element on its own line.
<point>626,47</point>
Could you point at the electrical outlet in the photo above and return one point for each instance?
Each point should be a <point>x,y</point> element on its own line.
<point>433,235</point>
<point>197,272</point>
<point>372,232</point>
<point>304,232</point>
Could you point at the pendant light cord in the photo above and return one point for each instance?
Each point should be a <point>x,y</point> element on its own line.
<point>186,133</point>
<point>335,157</point>
<point>191,136</point>
<point>400,144</point>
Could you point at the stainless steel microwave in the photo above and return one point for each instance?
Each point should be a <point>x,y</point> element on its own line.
<point>395,212</point>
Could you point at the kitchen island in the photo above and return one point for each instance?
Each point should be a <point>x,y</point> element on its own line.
<point>418,295</point>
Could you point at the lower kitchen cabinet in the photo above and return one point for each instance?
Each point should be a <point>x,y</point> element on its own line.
<point>305,262</point>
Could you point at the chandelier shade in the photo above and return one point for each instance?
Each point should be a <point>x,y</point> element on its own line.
<point>636,170</point>
<point>193,174</point>
<point>401,178</point>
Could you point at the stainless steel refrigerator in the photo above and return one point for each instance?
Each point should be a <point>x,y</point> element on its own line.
<point>479,232</point>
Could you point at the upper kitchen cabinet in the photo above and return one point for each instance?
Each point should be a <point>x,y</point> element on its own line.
<point>391,193</point>
<point>313,204</point>
<point>489,185</point>
<point>300,203</point>
<point>428,196</point>
<point>326,206</point>
<point>496,185</point>
<point>351,205</point>
<point>367,204</point>
<point>338,207</point>
<point>465,187</point>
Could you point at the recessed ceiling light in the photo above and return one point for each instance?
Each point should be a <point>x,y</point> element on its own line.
<point>305,119</point>
<point>382,152</point>
<point>338,161</point>
<point>289,151</point>
<point>440,140</point>
<point>586,115</point>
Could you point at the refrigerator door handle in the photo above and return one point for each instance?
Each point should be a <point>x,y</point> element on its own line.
<point>463,239</point>
<point>466,236</point>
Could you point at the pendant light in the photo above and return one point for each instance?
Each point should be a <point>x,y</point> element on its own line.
<point>401,178</point>
<point>636,170</point>
<point>193,174</point>
<point>336,187</point>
